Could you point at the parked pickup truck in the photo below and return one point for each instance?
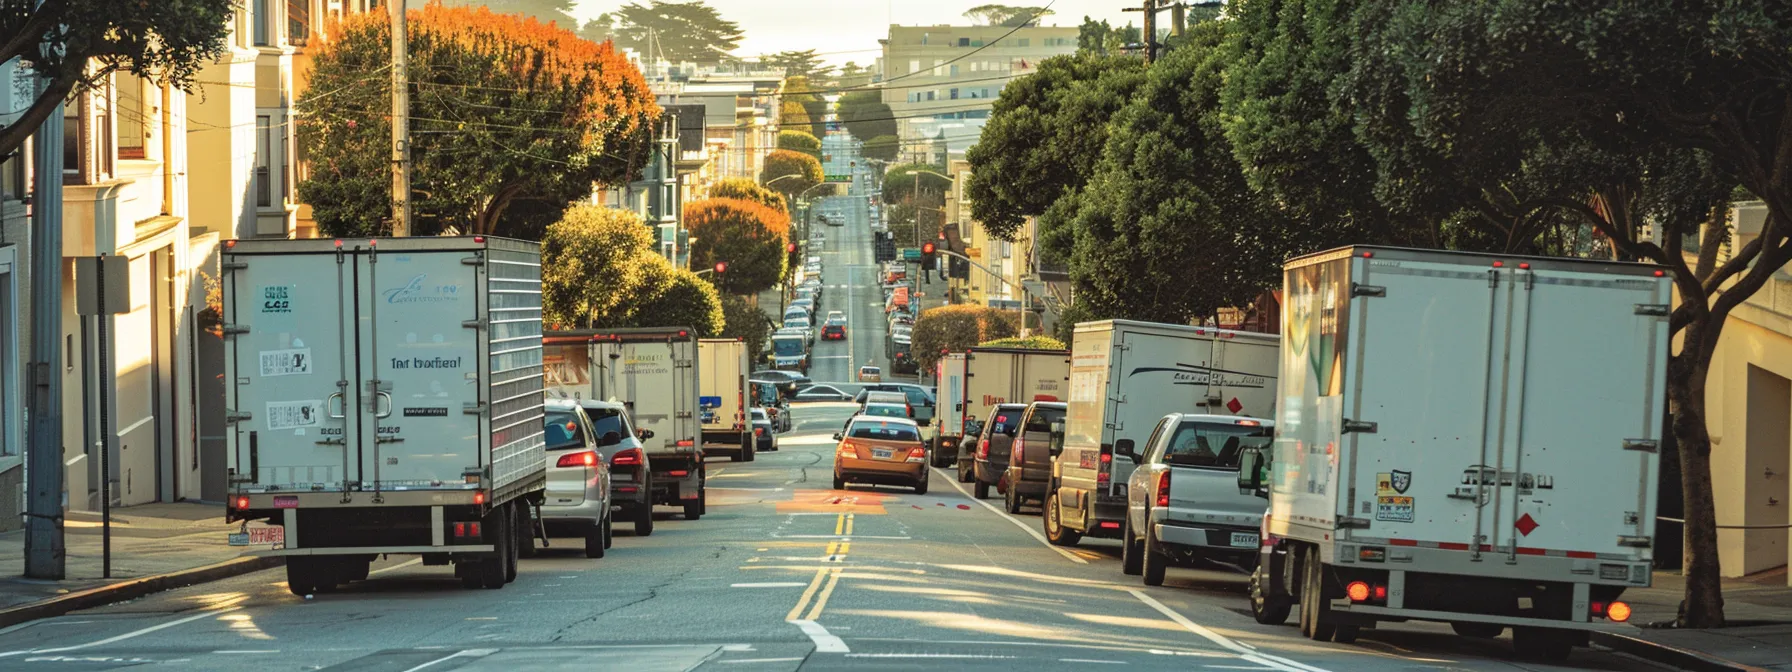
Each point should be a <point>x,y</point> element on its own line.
<point>1183,501</point>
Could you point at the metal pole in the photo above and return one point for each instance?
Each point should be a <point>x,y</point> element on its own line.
<point>401,123</point>
<point>105,381</point>
<point>44,550</point>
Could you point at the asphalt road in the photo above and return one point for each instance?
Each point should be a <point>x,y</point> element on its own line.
<point>849,276</point>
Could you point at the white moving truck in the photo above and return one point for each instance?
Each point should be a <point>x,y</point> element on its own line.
<point>1125,376</point>
<point>1007,375</point>
<point>722,397</point>
<point>653,373</point>
<point>384,397</point>
<point>948,426</point>
<point>1466,438</point>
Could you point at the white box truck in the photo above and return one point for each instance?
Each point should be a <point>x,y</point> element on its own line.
<point>1125,376</point>
<point>948,426</point>
<point>384,396</point>
<point>653,373</point>
<point>1465,438</point>
<point>1007,375</point>
<point>722,397</point>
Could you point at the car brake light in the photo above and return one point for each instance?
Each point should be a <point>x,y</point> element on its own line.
<point>758,431</point>
<point>1017,451</point>
<point>1163,489</point>
<point>983,449</point>
<point>1358,591</point>
<point>1381,593</point>
<point>1248,423</point>
<point>581,459</point>
<point>630,457</point>
<point>678,473</point>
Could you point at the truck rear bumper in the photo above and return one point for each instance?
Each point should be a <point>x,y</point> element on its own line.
<point>1212,539</point>
<point>375,550</point>
<point>1390,614</point>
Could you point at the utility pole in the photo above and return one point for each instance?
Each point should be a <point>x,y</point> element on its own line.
<point>44,549</point>
<point>401,122</point>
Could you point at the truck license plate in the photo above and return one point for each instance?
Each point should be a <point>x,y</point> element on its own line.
<point>1244,539</point>
<point>881,454</point>
<point>259,536</point>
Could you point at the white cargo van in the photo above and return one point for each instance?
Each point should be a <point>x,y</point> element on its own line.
<point>1007,375</point>
<point>722,397</point>
<point>1125,376</point>
<point>1466,438</point>
<point>384,397</point>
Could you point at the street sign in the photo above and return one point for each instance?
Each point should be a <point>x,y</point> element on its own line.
<point>104,279</point>
<point>911,254</point>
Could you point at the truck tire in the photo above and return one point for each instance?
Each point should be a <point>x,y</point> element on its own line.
<point>1541,643</point>
<point>511,536</point>
<point>1155,562</point>
<point>609,529</point>
<point>491,571</point>
<point>1267,609</point>
<point>1132,551</point>
<point>1055,531</point>
<point>693,509</point>
<point>1314,605</point>
<point>306,576</point>
<point>750,448</point>
<point>1477,630</point>
<point>981,489</point>
<point>357,569</point>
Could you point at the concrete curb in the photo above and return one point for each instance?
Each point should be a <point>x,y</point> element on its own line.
<point>1684,659</point>
<point>133,588</point>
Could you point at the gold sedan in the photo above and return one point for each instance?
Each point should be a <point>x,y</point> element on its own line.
<point>882,451</point>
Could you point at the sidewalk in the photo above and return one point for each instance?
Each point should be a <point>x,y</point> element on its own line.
<point>154,547</point>
<point>1758,609</point>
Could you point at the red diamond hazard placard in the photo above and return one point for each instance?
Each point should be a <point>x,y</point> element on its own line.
<point>1525,525</point>
<point>1234,406</point>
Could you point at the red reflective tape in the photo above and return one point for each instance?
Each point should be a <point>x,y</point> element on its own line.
<point>1452,546</point>
<point>1584,555</point>
<point>1531,551</point>
<point>1402,542</point>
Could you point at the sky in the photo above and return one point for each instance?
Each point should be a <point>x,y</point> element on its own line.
<point>848,30</point>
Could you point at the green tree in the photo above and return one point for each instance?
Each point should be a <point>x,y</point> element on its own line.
<point>601,29</point>
<point>745,235</point>
<point>956,327</point>
<point>790,173</point>
<point>1045,134</point>
<point>504,110</point>
<point>558,12</point>
<point>901,180</point>
<point>803,63</point>
<point>746,322</point>
<point>677,31</point>
<point>866,116</point>
<point>800,141</point>
<point>1005,15</point>
<point>797,90</point>
<point>588,264</point>
<point>1029,343</point>
<point>882,148</point>
<point>73,44</point>
<point>669,297</point>
<point>748,190</point>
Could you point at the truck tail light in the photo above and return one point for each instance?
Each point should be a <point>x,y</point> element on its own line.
<point>758,431</point>
<point>1163,489</point>
<point>1105,475</point>
<point>630,457</point>
<point>478,496</point>
<point>1358,591</point>
<point>1017,451</point>
<point>685,443</point>
<point>1618,611</point>
<point>580,459</point>
<point>983,449</point>
<point>466,530</point>
<point>242,503</point>
<point>678,473</point>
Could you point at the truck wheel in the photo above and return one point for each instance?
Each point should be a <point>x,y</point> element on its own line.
<point>493,570</point>
<point>693,509</point>
<point>1055,531</point>
<point>305,576</point>
<point>1132,551</point>
<point>594,540</point>
<point>750,448</point>
<point>1314,606</point>
<point>525,524</point>
<point>1155,561</point>
<point>981,489</point>
<point>511,552</point>
<point>1267,609</point>
<point>1477,630</point>
<point>357,569</point>
<point>1541,643</point>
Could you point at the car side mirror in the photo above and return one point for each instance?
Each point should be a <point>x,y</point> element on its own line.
<point>837,436</point>
<point>1250,472</point>
<point>646,434</point>
<point>1125,447</point>
<point>609,439</point>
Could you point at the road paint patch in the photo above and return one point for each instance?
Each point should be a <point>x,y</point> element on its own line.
<point>825,642</point>
<point>1264,659</point>
<point>1092,661</point>
<point>469,653</point>
<point>402,565</point>
<point>1036,534</point>
<point>771,584</point>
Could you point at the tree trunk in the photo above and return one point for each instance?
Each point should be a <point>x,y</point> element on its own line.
<point>1703,605</point>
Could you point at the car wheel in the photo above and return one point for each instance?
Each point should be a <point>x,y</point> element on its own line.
<point>1267,609</point>
<point>1155,562</point>
<point>921,486</point>
<point>1055,531</point>
<point>644,520</point>
<point>1314,604</point>
<point>1132,552</point>
<point>982,490</point>
<point>609,530</point>
<point>839,483</point>
<point>594,540</point>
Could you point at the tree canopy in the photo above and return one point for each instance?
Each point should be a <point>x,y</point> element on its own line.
<point>901,179</point>
<point>882,148</point>
<point>805,63</point>
<point>748,190</point>
<point>800,141</point>
<point>747,322</point>
<point>599,269</point>
<point>1005,15</point>
<point>505,110</point>
<point>678,31</point>
<point>866,116</point>
<point>790,173</point>
<point>1098,37</point>
<point>1029,343</point>
<point>76,43</point>
<point>747,236</point>
<point>956,327</point>
<point>558,12</point>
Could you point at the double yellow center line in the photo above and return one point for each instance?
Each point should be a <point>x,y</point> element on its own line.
<point>826,577</point>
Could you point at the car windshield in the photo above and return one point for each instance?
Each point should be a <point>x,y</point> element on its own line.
<point>1213,444</point>
<point>883,431</point>
<point>562,430</point>
<point>788,346</point>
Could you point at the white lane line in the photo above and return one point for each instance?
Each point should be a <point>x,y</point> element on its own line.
<point>974,656</point>
<point>129,635</point>
<point>1092,661</point>
<point>226,651</point>
<point>744,661</point>
<point>771,584</point>
<point>833,357</point>
<point>1036,534</point>
<point>402,565</point>
<point>825,642</point>
<point>469,653</point>
<point>1264,659</point>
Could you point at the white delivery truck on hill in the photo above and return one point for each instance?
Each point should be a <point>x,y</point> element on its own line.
<point>722,397</point>
<point>1465,438</point>
<point>1126,376</point>
<point>948,426</point>
<point>1007,375</point>
<point>653,373</point>
<point>384,396</point>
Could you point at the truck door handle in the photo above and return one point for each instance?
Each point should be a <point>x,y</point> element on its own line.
<point>388,412</point>
<point>330,405</point>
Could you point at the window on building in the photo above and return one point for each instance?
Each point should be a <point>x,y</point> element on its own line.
<point>102,129</point>
<point>133,117</point>
<point>12,178</point>
<point>954,70</point>
<point>264,151</point>
<point>914,65</point>
<point>953,93</point>
<point>1025,41</point>
<point>285,162</point>
<point>931,95</point>
<point>71,138</point>
<point>259,19</point>
<point>964,41</point>
<point>298,21</point>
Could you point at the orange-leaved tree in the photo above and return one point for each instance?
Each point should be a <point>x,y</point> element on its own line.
<point>746,236</point>
<point>505,110</point>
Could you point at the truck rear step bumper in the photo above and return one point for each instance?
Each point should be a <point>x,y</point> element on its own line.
<point>1390,613</point>
<point>375,550</point>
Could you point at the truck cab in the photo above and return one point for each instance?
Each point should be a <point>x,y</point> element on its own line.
<point>1183,500</point>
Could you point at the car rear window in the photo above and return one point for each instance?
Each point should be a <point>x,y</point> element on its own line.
<point>1005,422</point>
<point>562,429</point>
<point>606,420</point>
<point>1042,418</point>
<point>1214,445</point>
<point>886,410</point>
<point>884,431</point>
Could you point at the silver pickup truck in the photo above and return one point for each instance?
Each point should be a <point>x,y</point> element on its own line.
<point>1183,501</point>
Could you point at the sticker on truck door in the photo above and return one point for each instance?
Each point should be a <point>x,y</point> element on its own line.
<point>1394,509</point>
<point>295,414</point>
<point>293,362</point>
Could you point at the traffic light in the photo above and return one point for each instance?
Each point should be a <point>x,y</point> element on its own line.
<point>790,248</point>
<point>927,257</point>
<point>721,267</point>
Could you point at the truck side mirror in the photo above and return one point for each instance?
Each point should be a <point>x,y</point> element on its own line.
<point>1250,472</point>
<point>1124,447</point>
